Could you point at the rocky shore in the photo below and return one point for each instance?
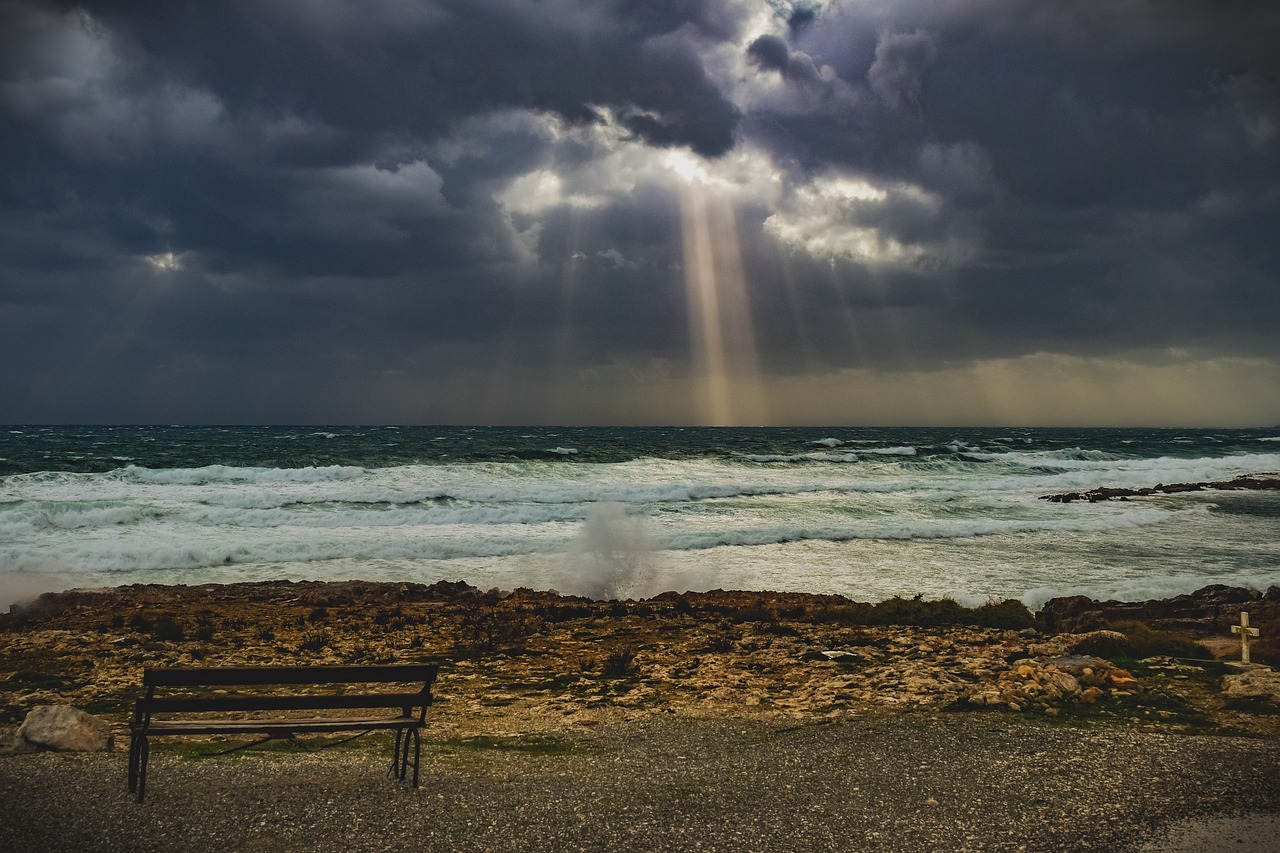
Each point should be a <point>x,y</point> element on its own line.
<point>531,661</point>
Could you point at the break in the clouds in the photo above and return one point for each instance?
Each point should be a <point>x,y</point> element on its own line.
<point>640,211</point>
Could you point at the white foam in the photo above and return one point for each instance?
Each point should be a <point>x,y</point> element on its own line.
<point>813,522</point>
<point>917,529</point>
<point>230,474</point>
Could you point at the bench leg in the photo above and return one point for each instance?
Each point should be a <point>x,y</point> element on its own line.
<point>395,756</point>
<point>144,753</point>
<point>133,763</point>
<point>417,753</point>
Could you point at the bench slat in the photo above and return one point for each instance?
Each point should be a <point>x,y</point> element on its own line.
<point>194,704</point>
<point>209,727</point>
<point>259,675</point>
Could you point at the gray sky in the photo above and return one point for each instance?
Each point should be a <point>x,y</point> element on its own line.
<point>637,211</point>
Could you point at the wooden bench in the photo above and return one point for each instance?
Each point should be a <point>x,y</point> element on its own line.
<point>193,694</point>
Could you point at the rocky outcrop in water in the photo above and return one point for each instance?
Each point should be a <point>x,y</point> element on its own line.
<point>1251,482</point>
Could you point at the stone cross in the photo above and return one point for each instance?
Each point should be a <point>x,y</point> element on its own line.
<point>1245,633</point>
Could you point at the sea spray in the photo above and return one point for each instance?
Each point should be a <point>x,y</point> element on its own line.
<point>612,554</point>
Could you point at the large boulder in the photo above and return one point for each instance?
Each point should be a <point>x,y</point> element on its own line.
<point>64,728</point>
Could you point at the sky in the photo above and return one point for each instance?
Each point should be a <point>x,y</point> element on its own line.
<point>834,212</point>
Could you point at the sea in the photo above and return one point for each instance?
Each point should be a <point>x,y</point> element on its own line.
<point>612,512</point>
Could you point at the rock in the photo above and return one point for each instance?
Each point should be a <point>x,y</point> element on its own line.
<point>1061,683</point>
<point>1080,665</point>
<point>842,656</point>
<point>1122,678</point>
<point>1211,609</point>
<point>64,728</point>
<point>1257,683</point>
<point>1105,493</point>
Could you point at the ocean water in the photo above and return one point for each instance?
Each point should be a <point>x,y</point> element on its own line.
<point>608,512</point>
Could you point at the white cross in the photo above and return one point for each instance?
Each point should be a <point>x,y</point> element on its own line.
<point>1245,633</point>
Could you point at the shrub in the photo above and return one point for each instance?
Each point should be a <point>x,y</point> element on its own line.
<point>168,628</point>
<point>485,625</point>
<point>314,642</point>
<point>385,616</point>
<point>1141,641</point>
<point>161,627</point>
<point>204,627</point>
<point>619,664</point>
<point>754,613</point>
<point>841,614</point>
<point>1009,613</point>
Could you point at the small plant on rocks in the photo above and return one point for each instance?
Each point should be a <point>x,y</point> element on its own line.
<point>620,664</point>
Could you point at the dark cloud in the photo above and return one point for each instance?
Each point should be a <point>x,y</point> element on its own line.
<point>901,61</point>
<point>769,52</point>
<point>284,209</point>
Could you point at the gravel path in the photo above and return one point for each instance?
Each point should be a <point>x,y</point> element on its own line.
<point>949,782</point>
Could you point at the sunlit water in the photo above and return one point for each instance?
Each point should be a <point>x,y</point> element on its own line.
<point>632,512</point>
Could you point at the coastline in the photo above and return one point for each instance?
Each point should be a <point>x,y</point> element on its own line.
<point>529,661</point>
<point>718,720</point>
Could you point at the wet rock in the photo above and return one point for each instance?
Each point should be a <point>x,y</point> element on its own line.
<point>1106,493</point>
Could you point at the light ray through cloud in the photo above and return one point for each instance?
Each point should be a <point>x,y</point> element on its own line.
<point>725,363</point>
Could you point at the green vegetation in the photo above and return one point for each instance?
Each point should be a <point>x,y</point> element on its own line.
<point>620,664</point>
<point>1141,641</point>
<point>534,744</point>
<point>1009,613</point>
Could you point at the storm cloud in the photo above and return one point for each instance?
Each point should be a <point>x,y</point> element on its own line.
<point>610,212</point>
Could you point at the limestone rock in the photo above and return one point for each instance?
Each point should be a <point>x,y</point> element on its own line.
<point>64,728</point>
<point>1253,684</point>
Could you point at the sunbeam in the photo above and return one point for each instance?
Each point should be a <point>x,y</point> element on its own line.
<point>725,360</point>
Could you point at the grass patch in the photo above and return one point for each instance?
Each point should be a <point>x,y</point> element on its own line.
<point>32,678</point>
<point>200,750</point>
<point>1253,705</point>
<point>532,744</point>
<point>1009,614</point>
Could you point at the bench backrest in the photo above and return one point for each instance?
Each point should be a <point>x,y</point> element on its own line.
<point>212,676</point>
<point>261,676</point>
